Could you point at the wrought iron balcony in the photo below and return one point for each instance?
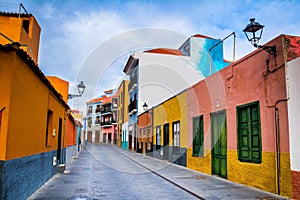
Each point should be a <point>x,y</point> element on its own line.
<point>132,107</point>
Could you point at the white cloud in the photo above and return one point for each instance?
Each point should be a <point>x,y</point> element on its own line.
<point>70,37</point>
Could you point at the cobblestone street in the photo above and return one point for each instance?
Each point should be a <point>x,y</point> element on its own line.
<point>108,172</point>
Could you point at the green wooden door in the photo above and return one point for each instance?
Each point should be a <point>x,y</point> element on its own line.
<point>219,143</point>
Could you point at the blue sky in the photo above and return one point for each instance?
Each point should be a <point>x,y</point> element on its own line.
<point>73,30</point>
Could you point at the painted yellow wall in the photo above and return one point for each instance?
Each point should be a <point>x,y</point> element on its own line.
<point>60,85</point>
<point>123,89</point>
<point>262,176</point>
<point>12,27</point>
<point>27,101</point>
<point>171,111</point>
<point>5,82</point>
<point>202,164</point>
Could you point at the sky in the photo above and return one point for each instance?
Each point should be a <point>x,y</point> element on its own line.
<point>91,40</point>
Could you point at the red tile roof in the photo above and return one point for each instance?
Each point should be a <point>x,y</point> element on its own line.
<point>165,51</point>
<point>12,14</point>
<point>202,36</point>
<point>98,99</point>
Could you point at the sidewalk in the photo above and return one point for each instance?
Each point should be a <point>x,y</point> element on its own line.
<point>104,172</point>
<point>207,186</point>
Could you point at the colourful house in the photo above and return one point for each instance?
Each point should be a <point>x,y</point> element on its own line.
<point>170,129</point>
<point>198,57</point>
<point>241,120</point>
<point>122,93</point>
<point>23,29</point>
<point>108,121</point>
<point>93,117</point>
<point>28,152</point>
<point>145,133</point>
<point>240,123</point>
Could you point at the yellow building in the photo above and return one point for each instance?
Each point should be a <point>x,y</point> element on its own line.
<point>170,129</point>
<point>23,29</point>
<point>122,114</point>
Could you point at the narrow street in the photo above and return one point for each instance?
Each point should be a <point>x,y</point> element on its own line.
<point>108,172</point>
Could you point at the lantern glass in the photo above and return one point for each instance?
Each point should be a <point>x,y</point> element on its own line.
<point>145,106</point>
<point>253,31</point>
<point>81,88</point>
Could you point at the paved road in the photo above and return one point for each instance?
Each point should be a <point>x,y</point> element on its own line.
<point>108,172</point>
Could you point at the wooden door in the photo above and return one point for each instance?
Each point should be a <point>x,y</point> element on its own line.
<point>166,142</point>
<point>219,143</point>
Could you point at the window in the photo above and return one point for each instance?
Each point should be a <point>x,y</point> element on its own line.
<point>26,25</point>
<point>176,136</point>
<point>97,120</point>
<point>185,48</point>
<point>97,108</point>
<point>89,121</point>
<point>90,109</point>
<point>198,136</point>
<point>149,135</point>
<point>158,137</point>
<point>249,136</point>
<point>49,128</point>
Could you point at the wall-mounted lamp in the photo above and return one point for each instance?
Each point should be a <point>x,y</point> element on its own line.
<point>81,87</point>
<point>145,106</point>
<point>253,32</point>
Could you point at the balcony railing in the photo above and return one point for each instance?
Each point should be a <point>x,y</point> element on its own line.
<point>97,110</point>
<point>106,109</point>
<point>108,123</point>
<point>133,83</point>
<point>132,107</point>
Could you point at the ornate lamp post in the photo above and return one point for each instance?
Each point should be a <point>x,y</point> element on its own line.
<point>81,87</point>
<point>145,106</point>
<point>253,32</point>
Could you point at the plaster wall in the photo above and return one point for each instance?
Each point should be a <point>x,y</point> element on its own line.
<point>293,83</point>
<point>22,109</point>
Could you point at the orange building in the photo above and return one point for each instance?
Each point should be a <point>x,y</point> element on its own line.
<point>33,114</point>
<point>21,28</point>
<point>145,132</point>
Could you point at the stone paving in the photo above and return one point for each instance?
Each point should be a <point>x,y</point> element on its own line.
<point>108,172</point>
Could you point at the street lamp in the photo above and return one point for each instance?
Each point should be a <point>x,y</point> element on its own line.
<point>145,106</point>
<point>81,87</point>
<point>253,32</point>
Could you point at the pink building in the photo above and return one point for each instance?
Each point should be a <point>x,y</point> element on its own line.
<point>243,121</point>
<point>108,124</point>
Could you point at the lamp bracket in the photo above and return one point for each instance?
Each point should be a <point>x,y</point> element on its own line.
<point>270,49</point>
<point>70,96</point>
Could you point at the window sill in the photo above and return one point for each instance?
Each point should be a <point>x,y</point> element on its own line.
<point>199,156</point>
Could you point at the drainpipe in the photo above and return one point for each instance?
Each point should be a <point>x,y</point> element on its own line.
<point>277,149</point>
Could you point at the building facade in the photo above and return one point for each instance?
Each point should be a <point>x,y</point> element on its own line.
<point>238,123</point>
<point>93,119</point>
<point>122,93</point>
<point>108,120</point>
<point>23,29</point>
<point>145,133</point>
<point>29,153</point>
<point>185,66</point>
<point>170,129</point>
